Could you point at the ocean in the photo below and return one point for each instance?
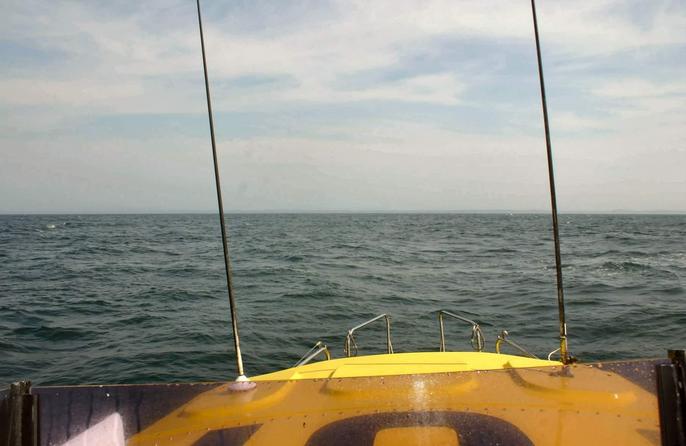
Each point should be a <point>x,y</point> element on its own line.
<point>142,298</point>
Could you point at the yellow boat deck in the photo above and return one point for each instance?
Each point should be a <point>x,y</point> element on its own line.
<point>447,398</point>
<point>405,364</point>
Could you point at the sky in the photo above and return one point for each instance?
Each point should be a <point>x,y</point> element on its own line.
<point>385,105</point>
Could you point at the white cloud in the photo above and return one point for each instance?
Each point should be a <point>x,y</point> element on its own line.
<point>355,37</point>
<point>634,101</point>
<point>597,28</point>
<point>92,60</point>
<point>85,93</point>
<point>572,122</point>
<point>437,89</point>
<point>630,88</point>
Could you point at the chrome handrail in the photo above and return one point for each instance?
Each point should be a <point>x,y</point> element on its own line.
<point>477,339</point>
<point>502,338</point>
<point>318,348</point>
<point>350,343</point>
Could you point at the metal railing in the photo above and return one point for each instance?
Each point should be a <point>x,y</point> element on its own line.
<point>351,345</point>
<point>312,353</point>
<point>502,339</point>
<point>550,355</point>
<point>477,339</point>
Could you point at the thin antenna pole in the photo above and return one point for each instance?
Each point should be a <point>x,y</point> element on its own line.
<point>225,242</point>
<point>564,351</point>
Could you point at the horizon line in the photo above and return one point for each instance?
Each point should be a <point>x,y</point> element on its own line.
<point>347,211</point>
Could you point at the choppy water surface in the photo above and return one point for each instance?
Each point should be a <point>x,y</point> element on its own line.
<point>141,298</point>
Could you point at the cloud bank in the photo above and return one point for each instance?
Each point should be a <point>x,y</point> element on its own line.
<point>380,105</point>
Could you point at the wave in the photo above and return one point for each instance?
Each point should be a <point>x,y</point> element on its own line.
<point>144,297</point>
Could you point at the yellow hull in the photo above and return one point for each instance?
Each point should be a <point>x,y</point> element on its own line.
<point>447,398</point>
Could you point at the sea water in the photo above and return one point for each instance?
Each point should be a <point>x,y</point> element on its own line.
<point>142,298</point>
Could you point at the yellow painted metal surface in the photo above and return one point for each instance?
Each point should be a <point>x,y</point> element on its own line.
<point>553,405</point>
<point>419,436</point>
<point>404,364</point>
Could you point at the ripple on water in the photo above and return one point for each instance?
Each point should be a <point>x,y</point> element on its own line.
<point>142,298</point>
